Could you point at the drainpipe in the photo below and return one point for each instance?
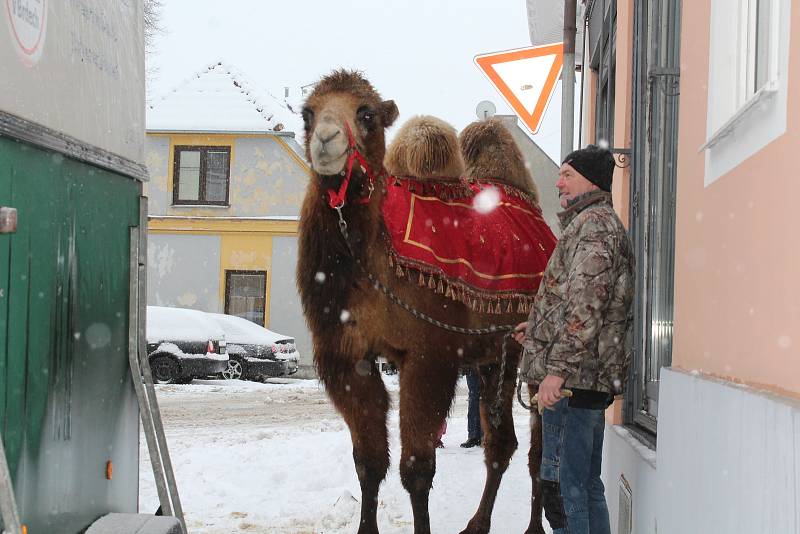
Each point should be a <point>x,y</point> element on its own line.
<point>568,79</point>
<point>583,78</point>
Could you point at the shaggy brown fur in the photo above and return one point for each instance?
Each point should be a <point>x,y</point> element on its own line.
<point>425,147</point>
<point>490,152</point>
<point>352,323</point>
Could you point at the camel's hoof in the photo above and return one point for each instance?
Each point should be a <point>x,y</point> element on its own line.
<point>536,530</point>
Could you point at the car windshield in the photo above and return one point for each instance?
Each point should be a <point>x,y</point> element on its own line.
<point>239,330</point>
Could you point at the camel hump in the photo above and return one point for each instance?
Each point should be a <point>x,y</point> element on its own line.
<point>425,147</point>
<point>489,151</point>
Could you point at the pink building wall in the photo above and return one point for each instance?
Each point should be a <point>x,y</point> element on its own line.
<point>623,102</point>
<point>737,259</point>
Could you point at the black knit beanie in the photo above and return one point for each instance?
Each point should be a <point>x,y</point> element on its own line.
<point>594,163</point>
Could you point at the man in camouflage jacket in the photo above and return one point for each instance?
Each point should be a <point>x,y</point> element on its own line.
<point>578,337</point>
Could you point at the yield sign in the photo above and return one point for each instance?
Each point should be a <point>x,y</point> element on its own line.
<point>526,78</point>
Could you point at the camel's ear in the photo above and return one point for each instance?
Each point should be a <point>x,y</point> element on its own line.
<point>389,112</point>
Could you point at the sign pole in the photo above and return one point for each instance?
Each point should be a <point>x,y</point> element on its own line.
<point>568,79</point>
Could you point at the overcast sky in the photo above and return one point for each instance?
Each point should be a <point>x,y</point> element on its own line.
<point>417,52</point>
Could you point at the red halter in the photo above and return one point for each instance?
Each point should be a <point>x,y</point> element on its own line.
<point>336,198</point>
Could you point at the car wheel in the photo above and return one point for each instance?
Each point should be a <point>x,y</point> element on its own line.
<point>165,369</point>
<point>234,370</point>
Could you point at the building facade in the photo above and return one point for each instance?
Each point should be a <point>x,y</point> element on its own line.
<point>543,170</point>
<point>227,178</point>
<point>695,100</point>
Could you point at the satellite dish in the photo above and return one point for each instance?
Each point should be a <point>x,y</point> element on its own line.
<point>485,110</point>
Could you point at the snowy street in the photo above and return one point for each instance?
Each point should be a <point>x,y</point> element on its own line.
<point>276,458</point>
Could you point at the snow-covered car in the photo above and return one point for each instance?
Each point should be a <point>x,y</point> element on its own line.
<point>184,344</point>
<point>255,352</point>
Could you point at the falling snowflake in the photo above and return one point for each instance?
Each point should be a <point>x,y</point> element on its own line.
<point>98,335</point>
<point>319,277</point>
<point>487,200</point>
<point>363,368</point>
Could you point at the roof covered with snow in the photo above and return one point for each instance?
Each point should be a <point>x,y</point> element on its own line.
<point>219,99</point>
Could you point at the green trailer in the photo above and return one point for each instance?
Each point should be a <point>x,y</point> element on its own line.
<point>72,256</point>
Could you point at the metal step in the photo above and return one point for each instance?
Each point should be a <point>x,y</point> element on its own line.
<point>135,524</point>
<point>143,378</point>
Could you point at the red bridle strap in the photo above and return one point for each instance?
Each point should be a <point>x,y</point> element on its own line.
<point>336,199</point>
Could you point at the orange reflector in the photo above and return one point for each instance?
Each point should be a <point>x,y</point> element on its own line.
<point>109,469</point>
<point>24,529</point>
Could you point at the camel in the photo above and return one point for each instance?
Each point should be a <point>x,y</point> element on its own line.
<point>342,263</point>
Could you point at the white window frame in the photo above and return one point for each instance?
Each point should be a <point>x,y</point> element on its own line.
<point>742,121</point>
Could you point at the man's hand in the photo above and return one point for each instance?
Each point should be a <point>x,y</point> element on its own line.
<point>550,390</point>
<point>519,332</point>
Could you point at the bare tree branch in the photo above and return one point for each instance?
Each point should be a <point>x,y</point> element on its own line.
<point>152,28</point>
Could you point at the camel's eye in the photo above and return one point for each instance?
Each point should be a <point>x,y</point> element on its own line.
<point>366,115</point>
<point>308,117</point>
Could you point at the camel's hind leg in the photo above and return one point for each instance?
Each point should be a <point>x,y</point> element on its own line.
<point>499,442</point>
<point>426,391</point>
<point>359,395</point>
<point>534,466</point>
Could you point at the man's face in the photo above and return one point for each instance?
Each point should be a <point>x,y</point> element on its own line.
<point>571,184</point>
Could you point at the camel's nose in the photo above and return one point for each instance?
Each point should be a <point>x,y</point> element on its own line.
<point>326,132</point>
<point>327,136</point>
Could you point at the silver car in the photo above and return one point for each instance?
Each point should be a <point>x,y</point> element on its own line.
<point>255,353</point>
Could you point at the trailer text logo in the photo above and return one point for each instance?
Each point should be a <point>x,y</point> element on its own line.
<point>27,20</point>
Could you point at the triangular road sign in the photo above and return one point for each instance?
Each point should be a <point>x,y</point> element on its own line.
<point>526,78</point>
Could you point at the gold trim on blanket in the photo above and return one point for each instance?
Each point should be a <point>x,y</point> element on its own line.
<point>406,239</point>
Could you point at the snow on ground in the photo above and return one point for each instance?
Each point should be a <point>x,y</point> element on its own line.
<point>276,458</point>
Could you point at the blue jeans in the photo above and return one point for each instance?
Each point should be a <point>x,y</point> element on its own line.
<point>572,452</point>
<point>474,430</point>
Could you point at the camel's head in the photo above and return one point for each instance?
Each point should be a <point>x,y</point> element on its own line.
<point>341,99</point>
<point>490,151</point>
<point>425,147</point>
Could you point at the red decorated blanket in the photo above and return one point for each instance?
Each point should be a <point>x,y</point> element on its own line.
<point>484,242</point>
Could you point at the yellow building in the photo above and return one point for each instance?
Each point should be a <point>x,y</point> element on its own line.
<point>227,178</point>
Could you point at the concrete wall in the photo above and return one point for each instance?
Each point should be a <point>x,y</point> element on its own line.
<point>728,461</point>
<point>183,271</point>
<point>286,314</point>
<point>624,455</point>
<point>728,458</point>
<point>158,160</point>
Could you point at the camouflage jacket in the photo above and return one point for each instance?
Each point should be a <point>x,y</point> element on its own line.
<point>580,325</point>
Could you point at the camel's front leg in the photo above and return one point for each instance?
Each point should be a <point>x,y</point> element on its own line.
<point>426,391</point>
<point>359,395</point>
<point>534,466</point>
<point>499,442</point>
